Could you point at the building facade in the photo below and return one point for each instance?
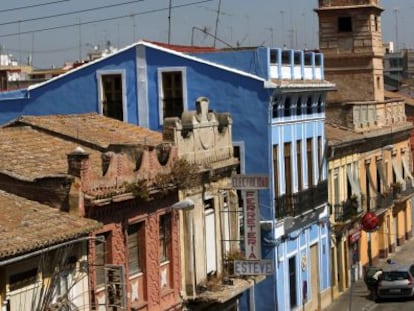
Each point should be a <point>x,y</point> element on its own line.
<point>40,266</point>
<point>276,98</point>
<point>368,139</point>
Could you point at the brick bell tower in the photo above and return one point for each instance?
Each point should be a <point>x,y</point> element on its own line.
<point>351,40</point>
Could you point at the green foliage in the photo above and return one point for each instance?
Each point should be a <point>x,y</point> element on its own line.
<point>139,189</point>
<point>184,174</point>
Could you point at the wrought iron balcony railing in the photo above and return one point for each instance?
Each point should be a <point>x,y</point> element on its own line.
<point>296,204</point>
<point>348,209</point>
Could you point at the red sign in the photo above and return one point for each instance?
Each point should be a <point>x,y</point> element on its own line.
<point>252,226</point>
<point>370,222</point>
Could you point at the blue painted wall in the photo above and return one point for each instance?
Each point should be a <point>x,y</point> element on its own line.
<point>75,92</point>
<point>254,61</point>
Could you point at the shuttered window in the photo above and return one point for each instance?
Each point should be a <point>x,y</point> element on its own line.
<point>165,237</point>
<point>135,248</point>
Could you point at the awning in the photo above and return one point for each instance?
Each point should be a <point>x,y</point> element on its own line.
<point>370,179</point>
<point>380,169</point>
<point>397,170</point>
<point>407,170</point>
<point>353,180</point>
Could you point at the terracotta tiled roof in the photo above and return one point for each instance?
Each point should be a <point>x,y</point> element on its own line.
<point>29,151</point>
<point>26,226</point>
<point>94,129</point>
<point>28,154</point>
<point>337,134</point>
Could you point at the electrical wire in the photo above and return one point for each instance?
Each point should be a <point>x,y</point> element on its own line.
<point>31,6</point>
<point>100,20</point>
<point>70,13</point>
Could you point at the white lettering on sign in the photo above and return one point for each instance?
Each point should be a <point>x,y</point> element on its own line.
<point>253,267</point>
<point>250,182</point>
<point>251,226</point>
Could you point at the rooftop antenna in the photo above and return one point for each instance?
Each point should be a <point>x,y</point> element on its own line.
<point>217,22</point>
<point>396,11</point>
<point>80,40</point>
<point>169,22</point>
<point>271,34</point>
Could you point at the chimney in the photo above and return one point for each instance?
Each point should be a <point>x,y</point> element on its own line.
<point>78,162</point>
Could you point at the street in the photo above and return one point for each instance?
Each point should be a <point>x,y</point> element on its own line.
<point>356,298</point>
<point>394,305</point>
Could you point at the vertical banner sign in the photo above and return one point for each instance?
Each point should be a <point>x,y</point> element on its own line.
<point>252,226</point>
<point>251,184</point>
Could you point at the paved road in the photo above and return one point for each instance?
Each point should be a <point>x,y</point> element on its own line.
<point>356,297</point>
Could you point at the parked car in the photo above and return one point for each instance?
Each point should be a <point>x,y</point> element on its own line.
<point>396,282</point>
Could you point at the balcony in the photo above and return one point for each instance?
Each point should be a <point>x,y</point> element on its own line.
<point>347,210</point>
<point>328,3</point>
<point>301,202</point>
<point>403,192</point>
<point>295,65</point>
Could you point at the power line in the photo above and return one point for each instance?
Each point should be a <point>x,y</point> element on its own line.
<point>101,20</point>
<point>32,6</point>
<point>69,13</point>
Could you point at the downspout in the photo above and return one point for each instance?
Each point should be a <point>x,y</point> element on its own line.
<point>271,195</point>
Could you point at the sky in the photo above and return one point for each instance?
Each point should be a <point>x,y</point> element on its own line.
<point>53,32</point>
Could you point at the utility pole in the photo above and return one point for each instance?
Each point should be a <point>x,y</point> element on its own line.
<point>217,22</point>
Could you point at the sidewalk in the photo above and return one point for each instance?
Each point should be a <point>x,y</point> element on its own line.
<point>356,298</point>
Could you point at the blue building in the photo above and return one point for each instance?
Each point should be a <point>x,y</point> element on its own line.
<point>277,100</point>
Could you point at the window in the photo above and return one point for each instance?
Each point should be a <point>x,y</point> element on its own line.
<point>275,107</point>
<point>376,23</point>
<point>165,237</point>
<point>299,106</point>
<point>273,56</point>
<point>24,290</point>
<point>309,155</point>
<point>172,93</point>
<point>136,249</point>
<point>336,187</point>
<point>112,96</point>
<point>292,283</point>
<point>22,279</point>
<point>102,256</point>
<point>239,154</point>
<point>345,24</point>
<point>286,57</point>
<point>299,160</point>
<point>320,156</point>
<point>210,237</point>
<point>275,170</point>
<point>288,106</point>
<point>226,223</point>
<point>308,59</point>
<point>320,105</point>
<point>288,168</point>
<point>309,105</point>
<point>297,58</point>
<point>379,185</point>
